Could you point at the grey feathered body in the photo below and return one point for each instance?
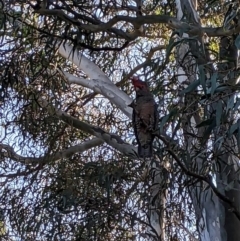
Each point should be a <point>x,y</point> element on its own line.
<point>145,121</point>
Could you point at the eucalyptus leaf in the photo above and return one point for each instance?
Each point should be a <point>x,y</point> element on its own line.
<point>219,111</point>
<point>219,142</point>
<point>238,134</point>
<point>205,123</point>
<point>202,78</point>
<point>232,129</point>
<point>191,87</point>
<point>237,42</point>
<point>229,186</point>
<point>208,131</point>
<point>230,103</point>
<point>237,104</point>
<point>213,83</point>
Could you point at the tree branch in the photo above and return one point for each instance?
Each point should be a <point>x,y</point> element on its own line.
<point>10,153</point>
<point>131,73</point>
<point>111,139</point>
<point>206,179</point>
<point>172,22</point>
<point>99,81</point>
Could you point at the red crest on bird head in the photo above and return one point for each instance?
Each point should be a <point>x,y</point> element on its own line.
<point>138,84</point>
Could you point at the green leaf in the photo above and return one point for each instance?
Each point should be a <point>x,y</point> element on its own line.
<point>154,199</point>
<point>232,129</point>
<point>219,113</point>
<point>205,123</point>
<point>237,104</point>
<point>230,186</point>
<point>213,83</point>
<point>170,46</point>
<point>219,142</point>
<point>230,103</point>
<point>237,42</point>
<point>221,88</point>
<point>191,87</point>
<point>238,134</point>
<point>208,131</point>
<point>202,78</point>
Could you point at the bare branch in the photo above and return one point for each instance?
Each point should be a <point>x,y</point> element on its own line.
<point>141,20</point>
<point>131,73</point>
<point>99,81</point>
<point>111,139</point>
<point>206,179</point>
<point>8,151</point>
<point>142,65</point>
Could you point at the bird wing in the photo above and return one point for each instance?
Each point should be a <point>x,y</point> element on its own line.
<point>147,112</point>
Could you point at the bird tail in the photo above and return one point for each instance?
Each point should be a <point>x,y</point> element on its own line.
<point>146,151</point>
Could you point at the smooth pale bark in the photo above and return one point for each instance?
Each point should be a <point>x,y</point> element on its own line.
<point>208,209</point>
<point>8,152</point>
<point>157,202</point>
<point>98,82</point>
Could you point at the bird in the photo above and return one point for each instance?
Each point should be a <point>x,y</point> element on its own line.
<point>144,118</point>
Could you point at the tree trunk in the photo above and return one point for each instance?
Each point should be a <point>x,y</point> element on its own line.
<point>215,221</point>
<point>227,178</point>
<point>157,201</point>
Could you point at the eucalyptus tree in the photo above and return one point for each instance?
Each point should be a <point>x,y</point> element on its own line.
<point>69,163</point>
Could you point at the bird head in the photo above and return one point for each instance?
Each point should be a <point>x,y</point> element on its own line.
<point>138,84</point>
